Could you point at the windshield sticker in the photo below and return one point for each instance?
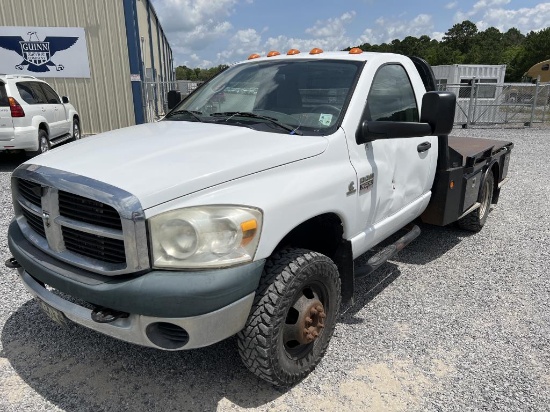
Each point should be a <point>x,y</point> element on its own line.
<point>325,119</point>
<point>366,183</point>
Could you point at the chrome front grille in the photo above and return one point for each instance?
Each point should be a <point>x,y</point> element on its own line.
<point>87,210</point>
<point>80,221</point>
<point>35,222</point>
<point>94,246</point>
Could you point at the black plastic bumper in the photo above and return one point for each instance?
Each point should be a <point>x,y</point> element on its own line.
<point>158,293</point>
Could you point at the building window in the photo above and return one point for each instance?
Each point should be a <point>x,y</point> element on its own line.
<point>485,88</point>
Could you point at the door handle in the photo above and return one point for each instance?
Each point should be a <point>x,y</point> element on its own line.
<point>422,147</point>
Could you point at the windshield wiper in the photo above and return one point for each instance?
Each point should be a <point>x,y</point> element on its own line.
<point>193,113</point>
<point>272,120</point>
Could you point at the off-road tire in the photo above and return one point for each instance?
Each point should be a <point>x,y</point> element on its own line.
<point>291,277</point>
<point>475,220</point>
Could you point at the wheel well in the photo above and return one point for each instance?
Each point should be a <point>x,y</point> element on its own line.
<point>76,117</point>
<point>321,234</point>
<point>324,234</point>
<point>44,126</point>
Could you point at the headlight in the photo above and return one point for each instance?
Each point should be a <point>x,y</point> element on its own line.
<point>202,237</point>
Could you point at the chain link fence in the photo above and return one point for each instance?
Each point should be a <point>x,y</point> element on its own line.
<point>500,104</point>
<point>155,96</point>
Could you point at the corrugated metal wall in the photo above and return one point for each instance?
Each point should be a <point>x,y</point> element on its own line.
<point>454,73</point>
<point>104,101</point>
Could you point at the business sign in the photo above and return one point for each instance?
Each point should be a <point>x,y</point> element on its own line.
<point>44,51</point>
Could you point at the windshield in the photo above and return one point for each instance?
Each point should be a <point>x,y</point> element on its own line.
<point>297,97</point>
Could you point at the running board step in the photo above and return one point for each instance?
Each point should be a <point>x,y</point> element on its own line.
<point>387,253</point>
<point>61,139</point>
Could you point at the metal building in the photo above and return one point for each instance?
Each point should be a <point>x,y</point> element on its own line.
<point>129,61</point>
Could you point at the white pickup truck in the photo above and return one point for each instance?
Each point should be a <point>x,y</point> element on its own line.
<point>243,210</point>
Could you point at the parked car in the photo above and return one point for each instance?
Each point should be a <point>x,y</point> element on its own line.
<point>33,117</point>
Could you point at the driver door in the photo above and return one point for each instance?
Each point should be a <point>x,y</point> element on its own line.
<point>393,173</point>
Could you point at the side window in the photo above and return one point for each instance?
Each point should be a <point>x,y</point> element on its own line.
<point>4,102</point>
<point>52,96</point>
<point>27,94</point>
<point>391,97</point>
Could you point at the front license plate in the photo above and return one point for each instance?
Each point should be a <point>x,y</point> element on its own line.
<point>56,315</point>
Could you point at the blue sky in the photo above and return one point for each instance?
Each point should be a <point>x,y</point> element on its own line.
<point>205,33</point>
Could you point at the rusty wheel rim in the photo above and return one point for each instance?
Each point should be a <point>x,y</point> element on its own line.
<point>305,321</point>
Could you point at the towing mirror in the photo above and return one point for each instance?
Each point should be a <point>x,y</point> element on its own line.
<point>437,118</point>
<point>65,99</point>
<point>438,110</point>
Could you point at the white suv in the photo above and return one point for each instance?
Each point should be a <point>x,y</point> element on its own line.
<point>32,116</point>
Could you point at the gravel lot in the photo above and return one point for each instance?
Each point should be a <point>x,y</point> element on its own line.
<point>458,322</point>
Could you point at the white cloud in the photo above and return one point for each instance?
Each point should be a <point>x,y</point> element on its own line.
<point>524,19</point>
<point>327,34</point>
<point>451,5</point>
<point>387,30</point>
<point>242,44</point>
<point>333,27</point>
<point>492,13</point>
<point>192,25</point>
<point>478,8</point>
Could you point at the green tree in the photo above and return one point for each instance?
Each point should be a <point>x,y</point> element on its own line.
<point>461,36</point>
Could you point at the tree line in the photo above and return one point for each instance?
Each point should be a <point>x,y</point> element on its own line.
<point>462,44</point>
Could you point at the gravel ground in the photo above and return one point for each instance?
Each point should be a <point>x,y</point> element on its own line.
<point>457,322</point>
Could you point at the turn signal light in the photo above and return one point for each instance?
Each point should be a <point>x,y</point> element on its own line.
<point>15,108</point>
<point>316,50</point>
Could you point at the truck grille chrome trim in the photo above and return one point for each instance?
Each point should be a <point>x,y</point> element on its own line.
<point>80,221</point>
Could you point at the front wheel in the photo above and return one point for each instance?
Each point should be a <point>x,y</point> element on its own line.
<point>292,318</point>
<point>76,130</point>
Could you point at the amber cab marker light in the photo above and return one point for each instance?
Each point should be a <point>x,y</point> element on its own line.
<point>452,184</point>
<point>316,50</point>
<point>253,56</point>
<point>292,52</point>
<point>356,50</point>
<point>273,53</point>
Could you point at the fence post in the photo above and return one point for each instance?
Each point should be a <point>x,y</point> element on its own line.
<point>471,103</point>
<point>534,104</point>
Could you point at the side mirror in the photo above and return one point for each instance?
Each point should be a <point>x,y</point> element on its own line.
<point>437,118</point>
<point>174,97</point>
<point>438,110</point>
<point>65,99</point>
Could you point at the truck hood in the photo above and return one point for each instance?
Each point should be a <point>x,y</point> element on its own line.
<point>161,161</point>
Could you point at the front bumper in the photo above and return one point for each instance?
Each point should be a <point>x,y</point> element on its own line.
<point>210,305</point>
<point>195,332</point>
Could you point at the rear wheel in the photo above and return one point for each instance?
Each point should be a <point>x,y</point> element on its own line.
<point>293,317</point>
<point>474,221</point>
<point>43,144</point>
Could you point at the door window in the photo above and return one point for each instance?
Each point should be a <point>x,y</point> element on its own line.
<point>391,97</point>
<point>52,96</point>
